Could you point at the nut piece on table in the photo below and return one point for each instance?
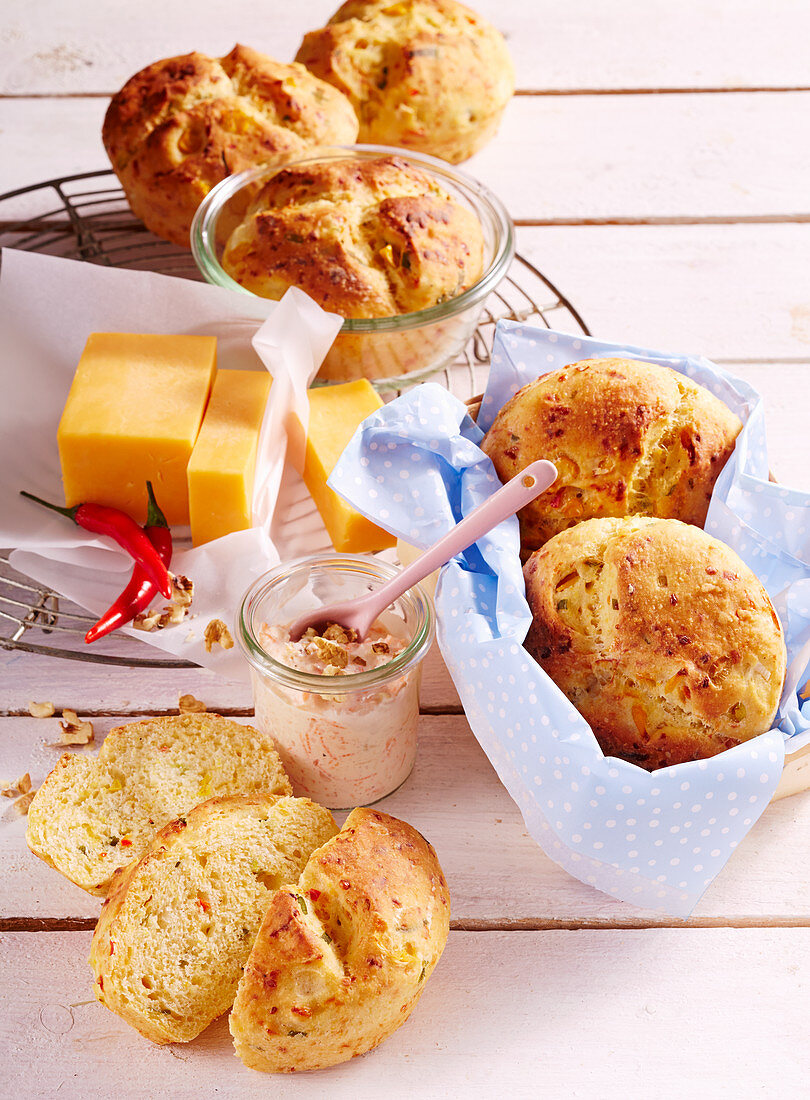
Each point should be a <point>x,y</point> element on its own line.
<point>41,710</point>
<point>19,786</point>
<point>217,633</point>
<point>74,730</point>
<point>187,704</point>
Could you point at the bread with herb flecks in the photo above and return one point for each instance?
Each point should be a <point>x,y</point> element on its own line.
<point>661,637</point>
<point>177,927</point>
<point>343,955</point>
<point>627,438</point>
<point>183,124</point>
<point>429,75</point>
<point>93,815</point>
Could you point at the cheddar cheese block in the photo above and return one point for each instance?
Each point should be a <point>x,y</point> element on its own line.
<point>132,415</point>
<point>223,462</point>
<point>334,414</point>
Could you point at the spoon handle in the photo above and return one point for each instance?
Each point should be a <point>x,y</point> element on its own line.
<point>514,495</point>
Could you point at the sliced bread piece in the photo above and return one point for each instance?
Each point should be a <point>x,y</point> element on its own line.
<point>178,925</point>
<point>93,815</point>
<point>343,956</point>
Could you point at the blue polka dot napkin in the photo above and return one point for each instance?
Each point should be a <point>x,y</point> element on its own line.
<point>655,839</point>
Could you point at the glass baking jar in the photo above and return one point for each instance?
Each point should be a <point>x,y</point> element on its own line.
<point>350,739</point>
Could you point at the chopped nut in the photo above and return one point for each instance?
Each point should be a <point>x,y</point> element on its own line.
<point>182,590</point>
<point>22,803</point>
<point>330,652</point>
<point>147,620</point>
<point>336,633</point>
<point>380,647</point>
<point>19,786</point>
<point>41,710</point>
<point>187,704</point>
<point>217,633</point>
<point>74,730</point>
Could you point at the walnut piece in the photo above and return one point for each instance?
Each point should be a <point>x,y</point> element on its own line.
<point>217,633</point>
<point>187,704</point>
<point>182,591</point>
<point>74,730</point>
<point>41,710</point>
<point>19,786</point>
<point>148,620</point>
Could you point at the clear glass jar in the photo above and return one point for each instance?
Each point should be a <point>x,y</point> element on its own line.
<point>345,740</point>
<point>390,351</point>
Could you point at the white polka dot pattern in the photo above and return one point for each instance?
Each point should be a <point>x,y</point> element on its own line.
<point>656,839</point>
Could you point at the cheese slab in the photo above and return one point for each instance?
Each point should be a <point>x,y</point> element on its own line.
<point>223,462</point>
<point>334,414</point>
<point>132,415</point>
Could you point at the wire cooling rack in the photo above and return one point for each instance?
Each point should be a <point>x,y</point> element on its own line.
<point>86,217</point>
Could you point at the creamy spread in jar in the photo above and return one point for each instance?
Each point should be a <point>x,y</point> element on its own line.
<point>346,747</point>
<point>342,712</point>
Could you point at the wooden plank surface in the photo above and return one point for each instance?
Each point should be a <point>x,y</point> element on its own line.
<point>496,872</point>
<point>615,1014</point>
<point>640,44</point>
<point>574,158</point>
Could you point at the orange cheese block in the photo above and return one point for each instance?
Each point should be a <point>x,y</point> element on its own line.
<point>334,414</point>
<point>223,462</point>
<point>132,415</point>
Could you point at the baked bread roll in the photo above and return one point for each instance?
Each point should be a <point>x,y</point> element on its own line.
<point>424,74</point>
<point>342,957</point>
<point>178,925</point>
<point>364,238</point>
<point>626,437</point>
<point>659,635</point>
<point>93,815</point>
<point>181,125</point>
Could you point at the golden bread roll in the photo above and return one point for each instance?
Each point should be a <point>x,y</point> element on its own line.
<point>429,75</point>
<point>181,125</point>
<point>342,958</point>
<point>177,927</point>
<point>94,814</point>
<point>659,635</point>
<point>626,437</point>
<point>364,238</point>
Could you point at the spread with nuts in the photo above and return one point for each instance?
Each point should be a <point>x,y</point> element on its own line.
<point>353,740</point>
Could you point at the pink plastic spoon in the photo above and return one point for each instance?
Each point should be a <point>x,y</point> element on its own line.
<point>359,614</point>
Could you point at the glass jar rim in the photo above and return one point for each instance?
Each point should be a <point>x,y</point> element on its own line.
<point>415,600</point>
<point>203,233</point>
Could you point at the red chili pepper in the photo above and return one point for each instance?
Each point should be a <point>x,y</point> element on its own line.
<point>141,589</point>
<point>103,520</point>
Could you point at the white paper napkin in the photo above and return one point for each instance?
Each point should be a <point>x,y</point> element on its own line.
<point>48,307</point>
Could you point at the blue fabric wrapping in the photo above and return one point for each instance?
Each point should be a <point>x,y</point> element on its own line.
<point>655,839</point>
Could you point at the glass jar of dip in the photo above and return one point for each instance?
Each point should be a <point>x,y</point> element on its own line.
<point>343,714</point>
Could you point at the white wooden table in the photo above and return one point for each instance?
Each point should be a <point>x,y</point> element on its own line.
<point>655,160</point>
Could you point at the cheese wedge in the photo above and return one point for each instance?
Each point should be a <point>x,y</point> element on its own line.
<point>132,415</point>
<point>334,414</point>
<point>223,462</point>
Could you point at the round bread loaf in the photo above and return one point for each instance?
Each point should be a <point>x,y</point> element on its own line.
<point>659,635</point>
<point>626,437</point>
<point>181,125</point>
<point>364,238</point>
<point>342,958</point>
<point>424,74</point>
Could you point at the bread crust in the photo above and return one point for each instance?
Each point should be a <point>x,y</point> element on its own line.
<point>430,75</point>
<point>659,635</point>
<point>364,238</point>
<point>182,124</point>
<point>627,438</point>
<point>179,923</point>
<point>342,958</point>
